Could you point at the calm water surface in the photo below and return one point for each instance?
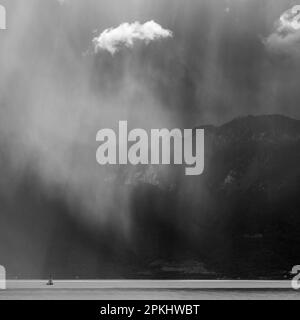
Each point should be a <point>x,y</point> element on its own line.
<point>148,290</point>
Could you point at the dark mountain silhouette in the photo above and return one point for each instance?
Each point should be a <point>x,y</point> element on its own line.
<point>241,217</point>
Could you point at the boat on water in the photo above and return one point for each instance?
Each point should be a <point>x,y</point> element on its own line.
<point>50,282</point>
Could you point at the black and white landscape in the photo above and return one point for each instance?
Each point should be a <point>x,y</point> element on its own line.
<point>69,68</point>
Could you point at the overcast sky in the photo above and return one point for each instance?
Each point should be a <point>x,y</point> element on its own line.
<point>216,66</point>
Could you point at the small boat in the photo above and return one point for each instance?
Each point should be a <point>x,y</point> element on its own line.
<point>50,282</point>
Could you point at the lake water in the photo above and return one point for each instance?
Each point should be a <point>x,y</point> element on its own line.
<point>149,290</point>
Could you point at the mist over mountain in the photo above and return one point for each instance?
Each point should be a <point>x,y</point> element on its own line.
<point>72,68</point>
<point>239,219</point>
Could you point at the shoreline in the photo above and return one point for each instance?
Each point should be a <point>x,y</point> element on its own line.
<point>149,284</point>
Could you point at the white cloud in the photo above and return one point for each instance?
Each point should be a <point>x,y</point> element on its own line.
<point>113,39</point>
<point>286,36</point>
